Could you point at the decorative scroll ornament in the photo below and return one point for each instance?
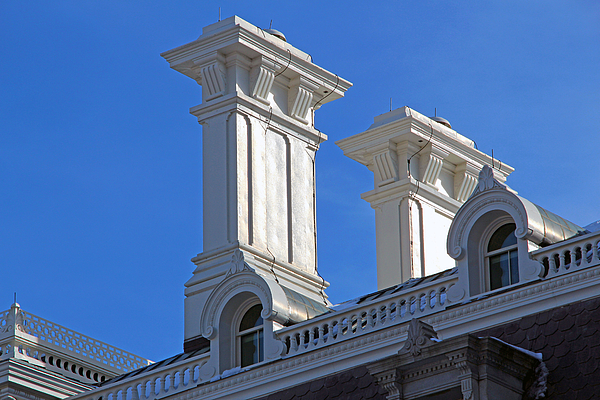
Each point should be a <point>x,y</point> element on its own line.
<point>15,320</point>
<point>237,263</point>
<point>419,337</point>
<point>486,181</point>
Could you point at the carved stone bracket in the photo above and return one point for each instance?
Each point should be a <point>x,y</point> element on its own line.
<point>211,75</point>
<point>466,379</point>
<point>387,376</point>
<point>300,97</point>
<point>419,337</point>
<point>465,180</point>
<point>435,162</point>
<point>262,77</point>
<point>385,162</point>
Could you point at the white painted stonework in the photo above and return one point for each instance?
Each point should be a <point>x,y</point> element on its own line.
<point>437,205</point>
<point>259,143</point>
<point>423,172</point>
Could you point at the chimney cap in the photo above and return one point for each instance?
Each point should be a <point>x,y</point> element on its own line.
<point>442,121</point>
<point>276,33</point>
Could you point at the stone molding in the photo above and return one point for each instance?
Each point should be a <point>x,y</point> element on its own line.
<point>480,367</point>
<point>420,336</point>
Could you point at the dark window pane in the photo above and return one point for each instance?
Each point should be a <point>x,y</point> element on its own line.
<point>249,349</point>
<point>499,271</point>
<point>252,318</point>
<point>514,267</point>
<point>503,237</point>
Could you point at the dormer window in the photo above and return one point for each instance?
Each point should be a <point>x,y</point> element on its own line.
<point>250,337</point>
<point>502,257</point>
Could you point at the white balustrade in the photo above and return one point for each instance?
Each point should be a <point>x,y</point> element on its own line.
<point>166,380</point>
<point>571,255</point>
<point>360,319</point>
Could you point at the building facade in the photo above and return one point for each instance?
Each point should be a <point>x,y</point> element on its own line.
<point>481,293</point>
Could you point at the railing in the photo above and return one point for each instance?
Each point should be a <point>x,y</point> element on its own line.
<point>69,341</point>
<point>166,380</point>
<point>361,319</point>
<point>571,255</point>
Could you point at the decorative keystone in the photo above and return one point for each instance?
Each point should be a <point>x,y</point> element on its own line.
<point>300,98</point>
<point>419,337</point>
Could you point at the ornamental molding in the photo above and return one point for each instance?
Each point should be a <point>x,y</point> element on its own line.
<point>486,181</point>
<point>217,300</point>
<point>525,296</point>
<point>472,211</point>
<point>238,264</point>
<point>420,336</point>
<point>293,365</point>
<point>262,76</point>
<point>300,97</point>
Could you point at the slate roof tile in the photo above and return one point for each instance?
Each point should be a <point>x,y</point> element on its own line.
<point>317,385</point>
<point>561,351</point>
<point>590,367</point>
<point>592,304</point>
<point>558,314</point>
<point>511,328</point>
<point>331,381</point>
<point>543,318</point>
<point>577,346</point>
<point>345,376</point>
<point>573,334</point>
<point>555,340</point>
<point>364,381</point>
<point>334,391</point>
<point>550,327</point>
<point>527,322</point>
<point>583,318</point>
<point>518,337</point>
<point>567,360</point>
<point>566,323</point>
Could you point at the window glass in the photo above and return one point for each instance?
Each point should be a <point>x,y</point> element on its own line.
<point>250,337</point>
<point>502,257</point>
<point>503,237</point>
<point>252,318</point>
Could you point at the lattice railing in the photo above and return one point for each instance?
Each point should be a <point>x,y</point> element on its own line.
<point>71,343</point>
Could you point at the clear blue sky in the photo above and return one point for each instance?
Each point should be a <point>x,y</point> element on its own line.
<point>100,191</point>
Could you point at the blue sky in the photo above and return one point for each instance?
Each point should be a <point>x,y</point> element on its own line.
<point>100,159</point>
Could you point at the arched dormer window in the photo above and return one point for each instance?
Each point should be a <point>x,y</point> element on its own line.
<point>250,337</point>
<point>502,257</point>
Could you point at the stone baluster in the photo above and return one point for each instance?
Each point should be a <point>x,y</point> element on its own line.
<point>311,337</point>
<point>595,251</point>
<point>321,333</point>
<point>152,388</point>
<point>561,257</point>
<point>172,381</point>
<point>135,395</point>
<point>370,321</point>
<point>573,251</point>
<point>584,259</point>
<point>552,268</point>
